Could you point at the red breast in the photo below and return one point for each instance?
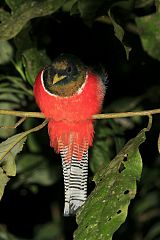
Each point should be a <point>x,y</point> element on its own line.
<point>80,106</point>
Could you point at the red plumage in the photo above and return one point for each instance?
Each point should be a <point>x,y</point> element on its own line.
<point>70,118</point>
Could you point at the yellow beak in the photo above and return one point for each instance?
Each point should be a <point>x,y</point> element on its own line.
<point>57,78</point>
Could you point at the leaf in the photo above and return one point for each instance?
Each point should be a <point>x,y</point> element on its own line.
<point>3,181</point>
<point>7,120</point>
<point>88,9</point>
<point>106,208</point>
<point>118,134</point>
<point>48,231</point>
<point>35,169</point>
<point>147,202</point>
<point>29,59</point>
<point>33,144</point>
<point>8,151</point>
<point>123,9</point>
<point>5,235</point>
<point>17,83</point>
<point>143,3</point>
<point>21,12</point>
<point>100,152</point>
<point>154,232</point>
<point>33,62</point>
<point>6,52</point>
<point>68,5</point>
<point>12,4</point>
<point>119,104</point>
<point>149,32</point>
<point>9,101</point>
<point>100,155</point>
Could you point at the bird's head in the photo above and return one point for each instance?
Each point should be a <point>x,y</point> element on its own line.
<point>65,76</point>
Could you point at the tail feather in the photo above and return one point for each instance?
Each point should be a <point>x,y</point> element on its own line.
<point>75,174</point>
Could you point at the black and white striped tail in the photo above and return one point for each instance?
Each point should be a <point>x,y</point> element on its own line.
<point>75,174</point>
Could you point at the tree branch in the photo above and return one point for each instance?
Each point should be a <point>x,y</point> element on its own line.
<point>126,114</point>
<point>22,114</point>
<point>97,116</point>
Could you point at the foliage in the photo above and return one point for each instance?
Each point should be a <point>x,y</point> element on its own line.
<point>121,36</point>
<point>108,205</point>
<point>149,28</point>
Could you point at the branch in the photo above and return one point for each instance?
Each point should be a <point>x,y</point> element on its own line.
<point>126,114</point>
<point>22,114</point>
<point>97,116</point>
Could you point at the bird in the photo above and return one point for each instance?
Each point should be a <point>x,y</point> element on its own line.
<point>69,93</point>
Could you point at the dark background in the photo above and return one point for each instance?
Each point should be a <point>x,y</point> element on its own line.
<point>24,208</point>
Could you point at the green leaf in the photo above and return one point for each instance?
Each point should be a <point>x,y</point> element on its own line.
<point>48,231</point>
<point>68,5</point>
<point>16,82</point>
<point>118,134</point>
<point>5,235</point>
<point>143,3</point>
<point>119,20</point>
<point>29,59</point>
<point>21,12</point>
<point>33,62</point>
<point>7,120</point>
<point>100,155</point>
<point>106,208</point>
<point>3,181</point>
<point>154,232</point>
<point>9,101</point>
<point>6,52</point>
<point>12,4</point>
<point>35,169</point>
<point>148,202</point>
<point>149,32</point>
<point>33,144</point>
<point>100,152</point>
<point>88,9</point>
<point>119,104</point>
<point>8,151</point>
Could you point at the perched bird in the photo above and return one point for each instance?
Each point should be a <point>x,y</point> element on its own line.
<point>69,93</point>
